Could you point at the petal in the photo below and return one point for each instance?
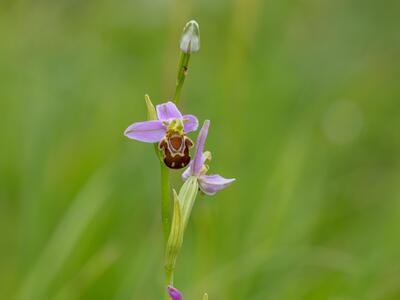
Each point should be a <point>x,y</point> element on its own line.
<point>198,153</point>
<point>168,111</point>
<point>190,123</point>
<point>148,131</point>
<point>210,184</point>
<point>174,293</point>
<point>188,171</point>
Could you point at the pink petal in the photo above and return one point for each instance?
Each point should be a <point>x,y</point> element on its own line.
<point>187,173</point>
<point>190,123</point>
<point>148,131</point>
<point>210,184</point>
<point>168,111</point>
<point>198,161</point>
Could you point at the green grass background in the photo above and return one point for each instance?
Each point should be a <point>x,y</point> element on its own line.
<point>303,98</point>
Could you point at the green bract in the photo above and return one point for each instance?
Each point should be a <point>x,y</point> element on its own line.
<point>175,238</point>
<point>151,111</point>
<point>183,204</point>
<point>187,196</point>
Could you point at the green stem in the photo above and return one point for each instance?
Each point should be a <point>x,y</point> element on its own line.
<point>165,195</point>
<point>183,69</point>
<point>165,200</point>
<point>166,207</point>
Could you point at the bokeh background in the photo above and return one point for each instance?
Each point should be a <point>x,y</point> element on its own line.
<point>304,101</point>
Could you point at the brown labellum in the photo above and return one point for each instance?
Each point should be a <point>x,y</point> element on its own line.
<point>176,150</point>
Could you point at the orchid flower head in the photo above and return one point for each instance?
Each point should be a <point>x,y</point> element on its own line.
<point>174,293</point>
<point>208,184</point>
<point>169,131</point>
<point>169,119</point>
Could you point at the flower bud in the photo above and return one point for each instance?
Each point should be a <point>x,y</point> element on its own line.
<point>205,297</point>
<point>190,40</point>
<point>174,293</point>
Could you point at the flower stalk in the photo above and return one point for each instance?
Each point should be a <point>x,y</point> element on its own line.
<point>167,128</point>
<point>183,69</point>
<point>165,198</point>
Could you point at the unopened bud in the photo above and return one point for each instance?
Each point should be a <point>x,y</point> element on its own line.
<point>190,40</point>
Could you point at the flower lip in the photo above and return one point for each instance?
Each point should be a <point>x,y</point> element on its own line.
<point>176,150</point>
<point>174,293</point>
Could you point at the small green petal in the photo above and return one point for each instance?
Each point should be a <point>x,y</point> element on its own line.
<point>151,111</point>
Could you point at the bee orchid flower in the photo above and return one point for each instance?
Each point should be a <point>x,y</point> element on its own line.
<point>169,131</point>
<point>208,184</point>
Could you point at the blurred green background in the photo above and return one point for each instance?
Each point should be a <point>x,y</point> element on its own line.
<point>304,101</point>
